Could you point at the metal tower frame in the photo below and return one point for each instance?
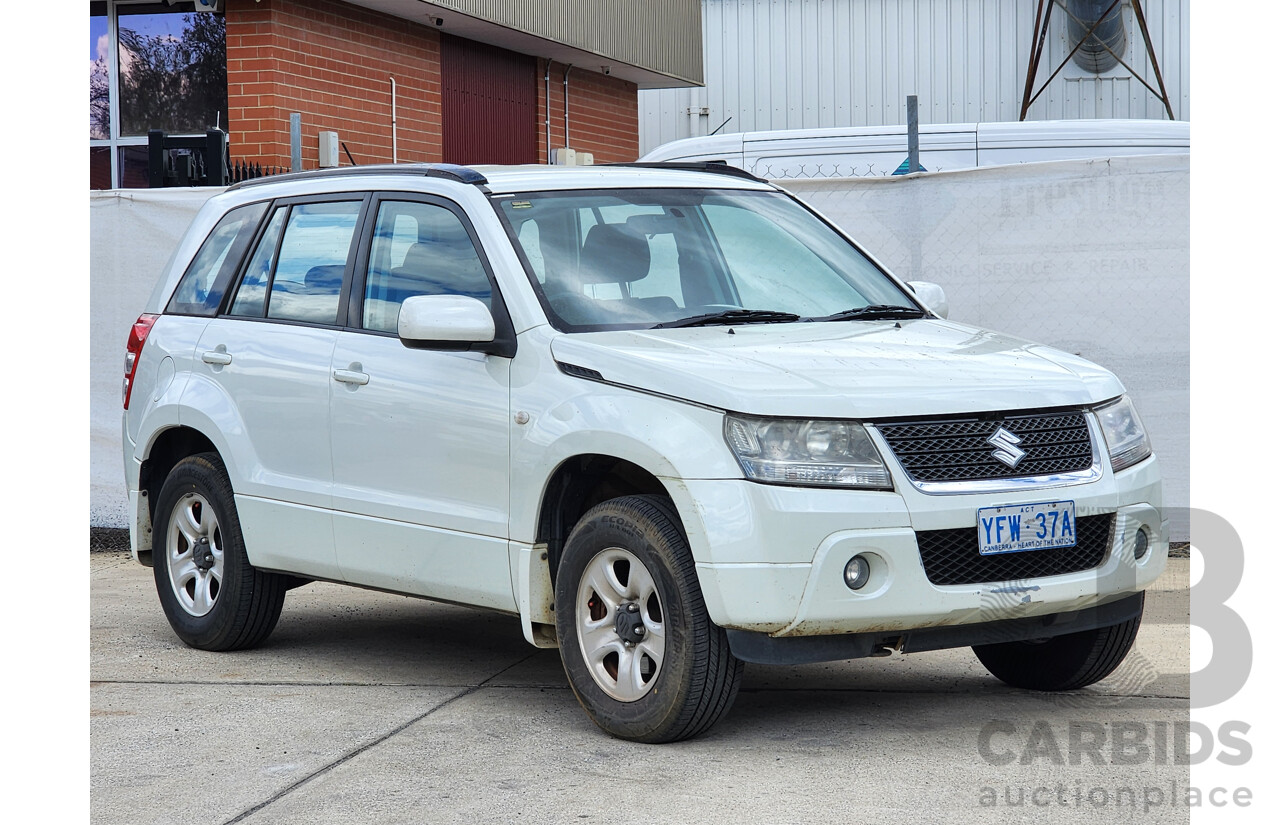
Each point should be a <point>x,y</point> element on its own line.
<point>1044,12</point>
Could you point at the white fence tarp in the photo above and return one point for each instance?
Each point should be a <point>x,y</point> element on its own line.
<point>1092,257</point>
<point>132,233</point>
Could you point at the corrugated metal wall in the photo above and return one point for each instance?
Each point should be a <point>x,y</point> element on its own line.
<point>788,64</point>
<point>661,35</point>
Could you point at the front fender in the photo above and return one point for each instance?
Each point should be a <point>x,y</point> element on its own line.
<point>672,441</point>
<point>570,416</point>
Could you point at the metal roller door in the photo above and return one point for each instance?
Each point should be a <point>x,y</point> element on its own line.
<point>490,103</point>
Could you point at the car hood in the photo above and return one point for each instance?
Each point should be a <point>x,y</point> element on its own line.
<point>858,369</point>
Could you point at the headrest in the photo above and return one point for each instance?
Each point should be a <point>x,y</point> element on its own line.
<point>613,254</point>
<point>327,277</point>
<point>417,261</point>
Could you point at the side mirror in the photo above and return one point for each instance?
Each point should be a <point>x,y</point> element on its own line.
<point>932,296</point>
<point>451,322</point>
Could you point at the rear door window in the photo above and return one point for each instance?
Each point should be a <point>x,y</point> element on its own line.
<point>307,283</point>
<point>296,272</point>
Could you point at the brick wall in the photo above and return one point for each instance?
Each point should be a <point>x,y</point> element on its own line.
<point>603,114</point>
<point>331,62</point>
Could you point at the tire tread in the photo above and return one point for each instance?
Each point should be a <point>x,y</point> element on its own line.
<point>1062,663</point>
<point>716,672</point>
<point>259,596</point>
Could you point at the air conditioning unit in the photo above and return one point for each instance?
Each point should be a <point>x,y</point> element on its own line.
<point>564,156</point>
<point>329,150</point>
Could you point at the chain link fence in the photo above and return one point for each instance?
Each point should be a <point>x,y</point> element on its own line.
<point>788,170</point>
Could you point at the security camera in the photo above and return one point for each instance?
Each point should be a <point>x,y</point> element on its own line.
<point>604,70</point>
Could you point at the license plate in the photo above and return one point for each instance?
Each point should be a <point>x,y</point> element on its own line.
<point>1017,528</point>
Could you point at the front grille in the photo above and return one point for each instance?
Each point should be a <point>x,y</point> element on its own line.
<point>951,556</point>
<point>957,449</point>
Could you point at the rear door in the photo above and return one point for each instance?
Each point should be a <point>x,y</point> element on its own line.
<point>420,438</point>
<point>265,367</point>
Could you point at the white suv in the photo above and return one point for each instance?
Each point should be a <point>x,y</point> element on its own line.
<point>670,417</point>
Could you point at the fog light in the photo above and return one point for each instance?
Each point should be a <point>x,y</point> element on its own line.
<point>1140,543</point>
<point>857,572</point>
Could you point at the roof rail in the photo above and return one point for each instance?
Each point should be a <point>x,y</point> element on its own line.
<point>449,171</point>
<point>715,167</point>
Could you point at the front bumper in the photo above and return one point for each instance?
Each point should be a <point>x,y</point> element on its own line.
<point>762,648</point>
<point>771,560</point>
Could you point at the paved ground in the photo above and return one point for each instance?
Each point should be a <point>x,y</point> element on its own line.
<point>369,708</point>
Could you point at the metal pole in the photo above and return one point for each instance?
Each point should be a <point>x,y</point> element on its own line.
<point>566,104</point>
<point>155,158</point>
<point>1151,55</point>
<point>295,142</point>
<point>913,135</point>
<point>395,153</point>
<point>113,101</point>
<point>1037,49</point>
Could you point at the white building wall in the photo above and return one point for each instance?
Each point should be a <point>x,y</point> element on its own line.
<point>789,64</point>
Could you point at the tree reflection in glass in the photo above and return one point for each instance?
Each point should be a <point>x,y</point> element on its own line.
<point>173,72</point>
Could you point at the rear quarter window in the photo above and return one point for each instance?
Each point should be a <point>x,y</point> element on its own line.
<point>201,288</point>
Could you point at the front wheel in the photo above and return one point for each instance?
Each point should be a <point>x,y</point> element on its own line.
<point>640,652</point>
<point>214,599</point>
<point>1068,662</point>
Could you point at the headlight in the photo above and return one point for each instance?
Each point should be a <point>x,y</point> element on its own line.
<point>810,453</point>
<point>1126,438</point>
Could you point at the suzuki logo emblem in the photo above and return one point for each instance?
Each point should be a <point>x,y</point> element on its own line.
<point>1006,444</point>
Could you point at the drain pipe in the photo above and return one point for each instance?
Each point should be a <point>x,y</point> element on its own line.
<point>395,155</point>
<point>566,104</point>
<point>546,82</point>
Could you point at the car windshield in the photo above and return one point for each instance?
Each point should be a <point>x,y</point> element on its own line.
<point>645,258</point>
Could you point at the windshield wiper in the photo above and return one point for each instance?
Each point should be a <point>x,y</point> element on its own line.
<point>732,316</point>
<point>875,312</point>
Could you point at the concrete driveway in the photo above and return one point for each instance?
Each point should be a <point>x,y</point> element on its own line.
<point>370,708</point>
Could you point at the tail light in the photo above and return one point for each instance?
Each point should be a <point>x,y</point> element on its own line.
<point>137,337</point>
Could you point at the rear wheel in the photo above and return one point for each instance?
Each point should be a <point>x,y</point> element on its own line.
<point>214,599</point>
<point>641,654</point>
<point>1067,662</point>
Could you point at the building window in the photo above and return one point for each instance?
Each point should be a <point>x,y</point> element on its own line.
<point>151,66</point>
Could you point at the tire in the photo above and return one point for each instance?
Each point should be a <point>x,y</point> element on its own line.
<point>679,677</point>
<point>1067,662</point>
<point>214,599</point>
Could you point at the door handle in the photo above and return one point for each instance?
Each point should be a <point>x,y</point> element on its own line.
<point>351,377</point>
<point>218,357</point>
